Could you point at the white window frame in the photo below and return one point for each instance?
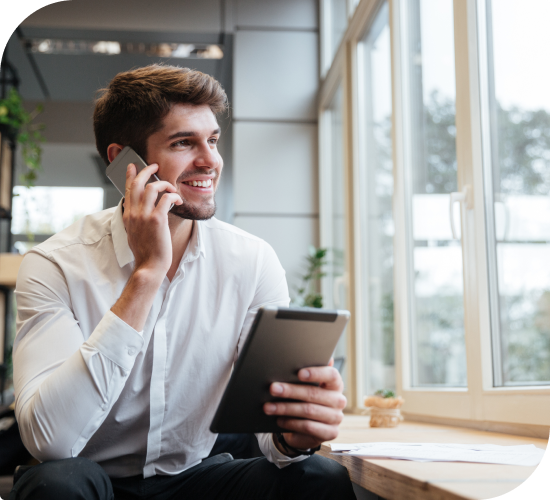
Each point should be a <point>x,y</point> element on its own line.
<point>481,401</point>
<point>335,79</point>
<point>515,409</point>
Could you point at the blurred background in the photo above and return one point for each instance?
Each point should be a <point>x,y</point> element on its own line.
<point>264,53</point>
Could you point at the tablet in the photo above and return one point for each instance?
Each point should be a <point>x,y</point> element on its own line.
<point>280,343</point>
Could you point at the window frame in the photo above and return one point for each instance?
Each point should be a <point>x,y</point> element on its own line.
<point>480,404</point>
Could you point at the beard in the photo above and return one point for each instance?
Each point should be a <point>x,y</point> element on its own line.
<point>192,212</point>
<point>195,211</point>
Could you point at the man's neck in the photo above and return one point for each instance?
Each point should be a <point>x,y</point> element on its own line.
<point>180,232</point>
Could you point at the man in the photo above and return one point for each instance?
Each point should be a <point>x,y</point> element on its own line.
<point>130,320</point>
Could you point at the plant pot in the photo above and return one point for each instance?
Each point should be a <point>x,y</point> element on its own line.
<point>384,412</point>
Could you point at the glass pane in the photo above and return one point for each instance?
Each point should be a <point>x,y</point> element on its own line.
<point>376,212</point>
<point>338,23</point>
<point>438,346</point>
<point>48,210</point>
<point>336,256</point>
<point>520,112</point>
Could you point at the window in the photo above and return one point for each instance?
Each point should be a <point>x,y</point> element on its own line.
<point>445,178</point>
<point>438,356</point>
<point>44,211</point>
<point>334,230</point>
<point>518,194</point>
<point>375,206</point>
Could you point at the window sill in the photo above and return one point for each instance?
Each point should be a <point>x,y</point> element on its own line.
<point>398,479</point>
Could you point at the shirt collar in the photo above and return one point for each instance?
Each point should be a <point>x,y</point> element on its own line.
<point>196,244</point>
<point>122,250</point>
<point>120,239</point>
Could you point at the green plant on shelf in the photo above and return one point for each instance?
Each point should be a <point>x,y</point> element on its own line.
<point>308,292</point>
<point>385,393</point>
<point>29,134</point>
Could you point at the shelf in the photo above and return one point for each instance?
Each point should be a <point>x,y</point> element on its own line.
<point>9,267</point>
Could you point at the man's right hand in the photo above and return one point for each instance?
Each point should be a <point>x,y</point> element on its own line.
<point>146,221</point>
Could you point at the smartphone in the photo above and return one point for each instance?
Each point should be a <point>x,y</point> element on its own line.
<point>116,171</point>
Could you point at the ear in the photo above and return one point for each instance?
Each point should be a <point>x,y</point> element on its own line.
<point>113,150</point>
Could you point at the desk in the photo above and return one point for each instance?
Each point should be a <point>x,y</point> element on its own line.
<point>406,480</point>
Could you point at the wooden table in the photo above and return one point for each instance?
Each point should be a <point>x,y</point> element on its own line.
<point>407,480</point>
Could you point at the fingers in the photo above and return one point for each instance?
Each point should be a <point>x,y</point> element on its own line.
<point>317,432</point>
<point>141,192</point>
<point>152,191</point>
<point>135,184</point>
<point>166,200</point>
<point>310,411</point>
<point>327,376</point>
<point>309,394</point>
<point>130,176</point>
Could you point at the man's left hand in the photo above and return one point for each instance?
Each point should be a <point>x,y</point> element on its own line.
<point>316,415</point>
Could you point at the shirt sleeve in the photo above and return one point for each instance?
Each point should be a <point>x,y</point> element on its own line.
<point>65,385</point>
<point>267,445</point>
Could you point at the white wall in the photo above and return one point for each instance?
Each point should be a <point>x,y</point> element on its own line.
<point>275,84</point>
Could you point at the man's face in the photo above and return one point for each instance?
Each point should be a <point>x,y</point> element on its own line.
<point>185,149</point>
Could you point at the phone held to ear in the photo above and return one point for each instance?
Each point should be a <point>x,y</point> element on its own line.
<point>116,171</point>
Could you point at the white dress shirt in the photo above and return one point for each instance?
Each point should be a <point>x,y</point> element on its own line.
<point>87,384</point>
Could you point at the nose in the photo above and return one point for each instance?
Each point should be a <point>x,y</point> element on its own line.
<point>207,156</point>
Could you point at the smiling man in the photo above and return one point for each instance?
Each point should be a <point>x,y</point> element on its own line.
<point>130,320</point>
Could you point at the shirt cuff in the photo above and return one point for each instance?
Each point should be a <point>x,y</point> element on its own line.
<point>279,459</point>
<point>116,340</point>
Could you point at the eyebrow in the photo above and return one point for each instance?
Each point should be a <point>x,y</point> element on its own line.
<point>190,134</point>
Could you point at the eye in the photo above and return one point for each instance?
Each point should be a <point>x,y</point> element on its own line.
<point>213,140</point>
<point>183,142</point>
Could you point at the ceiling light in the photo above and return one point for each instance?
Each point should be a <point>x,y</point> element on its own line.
<point>104,47</point>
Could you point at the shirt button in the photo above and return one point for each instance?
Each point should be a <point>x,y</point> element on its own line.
<point>131,352</point>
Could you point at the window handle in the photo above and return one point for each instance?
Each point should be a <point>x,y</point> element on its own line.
<point>465,197</point>
<point>338,283</point>
<point>498,199</point>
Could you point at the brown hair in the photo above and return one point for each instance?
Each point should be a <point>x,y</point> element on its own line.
<point>134,104</point>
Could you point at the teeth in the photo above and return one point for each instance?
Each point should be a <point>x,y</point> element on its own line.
<point>207,183</point>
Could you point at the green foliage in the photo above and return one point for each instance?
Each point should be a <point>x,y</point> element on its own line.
<point>522,164</point>
<point>523,151</point>
<point>308,294</point>
<point>29,134</point>
<point>525,336</point>
<point>385,393</point>
<point>440,137</point>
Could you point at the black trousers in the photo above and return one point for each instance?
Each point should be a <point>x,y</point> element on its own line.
<point>216,477</point>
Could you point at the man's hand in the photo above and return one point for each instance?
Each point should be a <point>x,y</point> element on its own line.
<point>316,416</point>
<point>149,239</point>
<point>146,223</point>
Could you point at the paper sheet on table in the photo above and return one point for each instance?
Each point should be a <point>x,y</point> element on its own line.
<point>527,454</point>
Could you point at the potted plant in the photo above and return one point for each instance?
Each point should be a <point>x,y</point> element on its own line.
<point>384,408</point>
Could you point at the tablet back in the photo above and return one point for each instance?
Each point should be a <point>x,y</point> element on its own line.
<point>280,343</point>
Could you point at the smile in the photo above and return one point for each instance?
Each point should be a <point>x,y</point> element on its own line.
<point>203,184</point>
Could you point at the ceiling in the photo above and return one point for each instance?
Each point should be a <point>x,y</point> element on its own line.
<point>69,77</point>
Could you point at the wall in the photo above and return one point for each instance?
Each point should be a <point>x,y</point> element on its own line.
<point>269,142</point>
<point>275,86</point>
